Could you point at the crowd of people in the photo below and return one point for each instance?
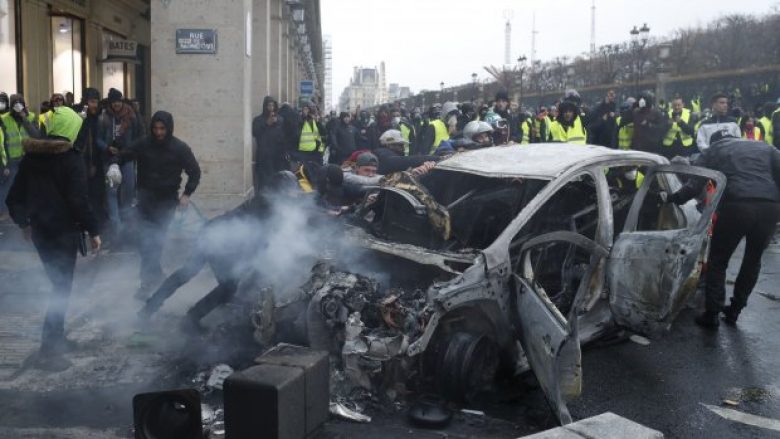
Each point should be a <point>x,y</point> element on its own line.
<point>76,172</point>
<point>286,138</point>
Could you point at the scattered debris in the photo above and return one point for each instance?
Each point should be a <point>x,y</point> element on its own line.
<point>747,394</point>
<point>730,402</point>
<point>769,296</point>
<point>638,339</point>
<point>218,375</point>
<point>473,412</point>
<point>430,414</point>
<point>745,418</point>
<point>342,411</point>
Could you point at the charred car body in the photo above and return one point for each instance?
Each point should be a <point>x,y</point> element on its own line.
<point>529,251</point>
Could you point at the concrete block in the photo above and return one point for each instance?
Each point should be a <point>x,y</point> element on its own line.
<point>265,401</point>
<point>316,372</point>
<point>604,426</point>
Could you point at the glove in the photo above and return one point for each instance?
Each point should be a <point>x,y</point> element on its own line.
<point>114,175</point>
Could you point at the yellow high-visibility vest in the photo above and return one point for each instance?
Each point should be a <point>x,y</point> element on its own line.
<point>766,123</point>
<point>15,134</point>
<point>441,134</point>
<point>625,134</point>
<point>405,132</point>
<point>526,127</point>
<point>575,134</point>
<point>675,129</point>
<point>310,134</point>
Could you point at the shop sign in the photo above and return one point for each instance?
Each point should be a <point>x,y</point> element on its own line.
<point>122,49</point>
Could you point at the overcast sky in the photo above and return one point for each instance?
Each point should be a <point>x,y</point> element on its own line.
<point>425,42</point>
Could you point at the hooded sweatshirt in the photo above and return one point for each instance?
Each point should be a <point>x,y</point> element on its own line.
<point>269,138</point>
<point>160,164</point>
<point>50,191</point>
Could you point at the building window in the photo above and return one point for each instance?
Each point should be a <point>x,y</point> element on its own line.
<point>67,55</point>
<point>8,47</point>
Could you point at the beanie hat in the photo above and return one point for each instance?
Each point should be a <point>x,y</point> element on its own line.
<point>114,95</point>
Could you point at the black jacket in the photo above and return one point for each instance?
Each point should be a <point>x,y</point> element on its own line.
<point>50,191</point>
<point>343,141</point>
<point>752,170</point>
<point>601,131</point>
<point>391,161</point>
<point>160,164</point>
<point>270,139</point>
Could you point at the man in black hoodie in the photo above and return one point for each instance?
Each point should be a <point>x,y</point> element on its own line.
<point>48,200</point>
<point>161,158</point>
<point>269,135</point>
<point>343,139</point>
<point>87,144</point>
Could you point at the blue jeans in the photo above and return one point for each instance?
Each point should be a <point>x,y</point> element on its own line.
<point>120,198</point>
<point>5,186</point>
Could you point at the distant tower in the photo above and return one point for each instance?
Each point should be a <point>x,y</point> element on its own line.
<point>593,28</point>
<point>508,14</point>
<point>382,95</point>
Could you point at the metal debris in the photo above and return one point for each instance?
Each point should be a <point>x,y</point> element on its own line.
<point>730,402</point>
<point>472,412</point>
<point>745,418</point>
<point>218,375</point>
<point>638,339</point>
<point>769,296</point>
<point>342,411</point>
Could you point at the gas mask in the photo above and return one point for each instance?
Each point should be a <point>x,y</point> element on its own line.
<point>642,103</point>
<point>18,107</point>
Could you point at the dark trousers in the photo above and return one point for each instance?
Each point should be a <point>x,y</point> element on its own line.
<point>155,213</point>
<point>58,255</point>
<point>222,293</point>
<point>753,220</point>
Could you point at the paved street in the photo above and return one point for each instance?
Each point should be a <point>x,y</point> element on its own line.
<point>663,385</point>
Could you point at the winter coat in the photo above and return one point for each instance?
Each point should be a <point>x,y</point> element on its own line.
<point>160,164</point>
<point>713,124</point>
<point>120,130</point>
<point>752,170</point>
<point>650,127</point>
<point>600,131</point>
<point>50,191</point>
<point>343,141</point>
<point>391,161</point>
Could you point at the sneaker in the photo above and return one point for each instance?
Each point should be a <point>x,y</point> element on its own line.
<point>731,314</point>
<point>707,320</point>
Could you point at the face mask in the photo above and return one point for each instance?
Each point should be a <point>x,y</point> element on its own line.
<point>396,120</point>
<point>18,107</point>
<point>631,175</point>
<point>642,103</point>
<point>3,106</point>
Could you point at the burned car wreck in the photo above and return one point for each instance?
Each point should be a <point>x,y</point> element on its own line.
<point>503,257</point>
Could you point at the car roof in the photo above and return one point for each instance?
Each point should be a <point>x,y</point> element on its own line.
<point>544,161</point>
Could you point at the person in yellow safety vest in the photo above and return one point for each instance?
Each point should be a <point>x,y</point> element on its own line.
<point>678,140</point>
<point>44,120</point>
<point>774,127</point>
<point>522,130</point>
<point>310,144</point>
<point>696,105</point>
<point>444,126</point>
<point>18,124</point>
<point>765,122</point>
<point>540,126</point>
<point>625,130</point>
<point>568,126</point>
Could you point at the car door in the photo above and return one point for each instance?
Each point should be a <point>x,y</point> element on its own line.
<point>651,273</point>
<point>548,337</point>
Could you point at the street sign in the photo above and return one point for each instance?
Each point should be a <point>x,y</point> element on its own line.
<point>197,41</point>
<point>306,88</point>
